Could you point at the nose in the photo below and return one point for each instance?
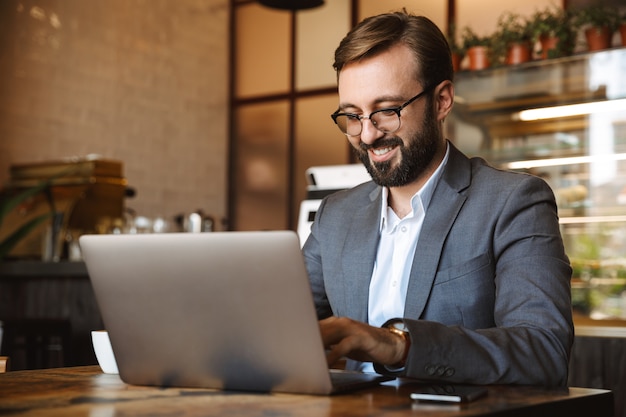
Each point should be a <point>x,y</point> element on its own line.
<point>369,133</point>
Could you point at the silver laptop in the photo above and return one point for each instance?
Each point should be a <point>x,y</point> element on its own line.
<point>225,310</point>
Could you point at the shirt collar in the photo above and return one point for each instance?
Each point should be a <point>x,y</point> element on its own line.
<point>424,194</point>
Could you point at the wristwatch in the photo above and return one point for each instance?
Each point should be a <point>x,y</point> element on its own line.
<point>397,327</point>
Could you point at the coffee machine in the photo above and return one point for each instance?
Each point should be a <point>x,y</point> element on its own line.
<point>322,181</point>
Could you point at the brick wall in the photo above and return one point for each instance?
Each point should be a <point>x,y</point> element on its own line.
<point>141,81</point>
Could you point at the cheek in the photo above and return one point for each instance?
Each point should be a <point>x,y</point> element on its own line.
<point>408,126</point>
<point>355,141</point>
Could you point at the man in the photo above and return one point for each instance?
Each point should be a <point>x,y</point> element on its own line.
<point>443,267</point>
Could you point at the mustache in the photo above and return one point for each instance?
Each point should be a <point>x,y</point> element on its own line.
<point>381,143</point>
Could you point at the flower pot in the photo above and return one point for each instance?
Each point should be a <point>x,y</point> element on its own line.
<point>622,32</point>
<point>456,61</point>
<point>518,53</point>
<point>548,43</point>
<point>598,38</point>
<point>478,57</point>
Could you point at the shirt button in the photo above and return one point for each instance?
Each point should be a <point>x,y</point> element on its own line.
<point>403,229</point>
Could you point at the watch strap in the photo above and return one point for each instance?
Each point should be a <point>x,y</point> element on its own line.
<point>397,327</point>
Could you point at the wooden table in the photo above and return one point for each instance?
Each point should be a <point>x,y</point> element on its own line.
<point>85,391</point>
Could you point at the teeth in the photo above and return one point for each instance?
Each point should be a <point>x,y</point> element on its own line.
<point>381,151</point>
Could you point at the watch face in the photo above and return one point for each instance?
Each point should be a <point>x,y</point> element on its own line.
<point>399,325</point>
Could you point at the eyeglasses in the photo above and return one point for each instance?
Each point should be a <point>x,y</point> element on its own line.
<point>386,120</point>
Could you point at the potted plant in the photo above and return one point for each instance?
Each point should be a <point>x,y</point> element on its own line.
<point>512,40</point>
<point>456,49</point>
<point>478,49</point>
<point>10,201</point>
<point>599,22</point>
<point>622,28</point>
<point>553,28</point>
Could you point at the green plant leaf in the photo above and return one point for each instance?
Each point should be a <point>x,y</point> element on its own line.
<point>8,205</point>
<point>7,244</point>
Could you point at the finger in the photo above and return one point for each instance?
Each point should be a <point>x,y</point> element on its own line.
<point>349,347</point>
<point>332,331</point>
<point>333,356</point>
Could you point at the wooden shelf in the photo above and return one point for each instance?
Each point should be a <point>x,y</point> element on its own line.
<point>588,327</point>
<point>33,269</point>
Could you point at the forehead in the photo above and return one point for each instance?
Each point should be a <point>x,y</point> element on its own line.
<point>391,73</point>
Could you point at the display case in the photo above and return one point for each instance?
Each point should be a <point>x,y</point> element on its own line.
<point>565,121</point>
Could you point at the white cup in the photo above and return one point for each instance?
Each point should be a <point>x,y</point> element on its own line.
<point>104,351</point>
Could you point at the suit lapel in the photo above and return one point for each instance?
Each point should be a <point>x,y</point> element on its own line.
<point>358,263</point>
<point>442,211</point>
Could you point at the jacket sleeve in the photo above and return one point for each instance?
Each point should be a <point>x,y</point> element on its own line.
<point>312,256</point>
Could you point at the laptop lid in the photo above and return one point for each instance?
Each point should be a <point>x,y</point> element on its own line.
<point>225,310</point>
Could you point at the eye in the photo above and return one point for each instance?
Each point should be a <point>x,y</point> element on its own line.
<point>392,111</point>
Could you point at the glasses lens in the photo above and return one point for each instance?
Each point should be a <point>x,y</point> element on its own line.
<point>348,124</point>
<point>386,120</point>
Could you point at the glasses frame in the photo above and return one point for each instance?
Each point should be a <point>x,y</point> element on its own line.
<point>395,109</point>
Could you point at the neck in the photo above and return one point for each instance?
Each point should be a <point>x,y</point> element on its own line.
<point>399,198</point>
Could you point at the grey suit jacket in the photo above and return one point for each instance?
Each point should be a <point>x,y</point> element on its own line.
<point>488,300</point>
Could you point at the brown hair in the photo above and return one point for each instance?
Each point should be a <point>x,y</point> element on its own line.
<point>378,33</point>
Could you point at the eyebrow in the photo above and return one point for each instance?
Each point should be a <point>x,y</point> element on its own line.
<point>383,99</point>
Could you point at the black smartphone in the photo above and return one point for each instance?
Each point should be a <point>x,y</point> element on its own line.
<point>449,393</point>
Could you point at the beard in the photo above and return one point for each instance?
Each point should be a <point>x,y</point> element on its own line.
<point>416,156</point>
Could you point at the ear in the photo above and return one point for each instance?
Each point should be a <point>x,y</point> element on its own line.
<point>444,99</point>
